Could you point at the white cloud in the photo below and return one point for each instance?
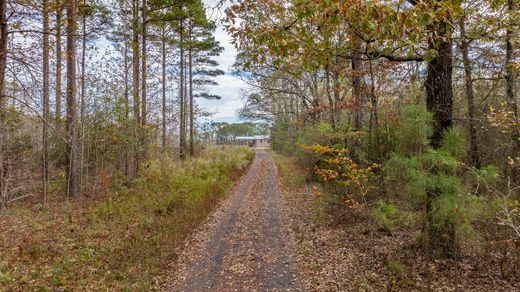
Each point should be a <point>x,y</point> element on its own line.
<point>229,87</point>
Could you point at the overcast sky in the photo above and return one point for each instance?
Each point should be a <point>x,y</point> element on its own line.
<point>229,86</point>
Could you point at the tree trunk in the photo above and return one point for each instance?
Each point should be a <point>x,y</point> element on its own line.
<point>127,109</point>
<point>510,74</point>
<point>163,81</point>
<point>135,72</point>
<point>83,96</point>
<point>3,62</point>
<point>144,80</point>
<point>72,115</point>
<point>357,85</point>
<point>330,99</point>
<point>468,79</point>
<point>439,92</point>
<point>182,129</point>
<point>45,101</point>
<point>439,101</point>
<point>135,61</point>
<point>58,63</point>
<point>83,65</point>
<point>190,66</point>
<point>3,50</point>
<point>126,90</point>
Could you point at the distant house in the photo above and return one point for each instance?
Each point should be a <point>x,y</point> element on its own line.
<point>260,141</point>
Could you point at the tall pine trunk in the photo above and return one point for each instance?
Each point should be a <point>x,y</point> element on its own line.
<point>3,62</point>
<point>82,167</point>
<point>45,101</point>
<point>192,114</point>
<point>144,80</point>
<point>72,170</point>
<point>182,128</point>
<point>126,97</point>
<point>135,81</point>
<point>163,83</point>
<point>58,63</point>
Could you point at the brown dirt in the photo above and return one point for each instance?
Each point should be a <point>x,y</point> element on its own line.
<point>245,244</point>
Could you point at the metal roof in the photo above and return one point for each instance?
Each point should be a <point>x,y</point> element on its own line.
<point>259,137</point>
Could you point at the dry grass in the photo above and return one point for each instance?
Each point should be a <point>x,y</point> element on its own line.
<point>121,241</point>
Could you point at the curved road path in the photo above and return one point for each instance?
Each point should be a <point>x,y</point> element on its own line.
<point>245,244</point>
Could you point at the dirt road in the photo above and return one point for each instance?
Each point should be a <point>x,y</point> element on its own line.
<point>245,245</point>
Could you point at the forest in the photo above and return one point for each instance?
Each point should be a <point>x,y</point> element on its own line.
<point>394,160</point>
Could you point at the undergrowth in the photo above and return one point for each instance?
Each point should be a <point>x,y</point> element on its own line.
<point>123,241</point>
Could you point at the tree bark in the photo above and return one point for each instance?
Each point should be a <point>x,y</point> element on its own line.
<point>332,109</point>
<point>83,64</point>
<point>163,81</point>
<point>45,101</point>
<point>3,63</point>
<point>72,115</point>
<point>192,114</point>
<point>135,73</point>
<point>470,95</point>
<point>182,129</point>
<point>126,90</point>
<point>58,63</point>
<point>83,95</point>
<point>439,91</point>
<point>135,61</point>
<point>439,101</point>
<point>127,153</point>
<point>357,85</point>
<point>510,73</point>
<point>144,78</point>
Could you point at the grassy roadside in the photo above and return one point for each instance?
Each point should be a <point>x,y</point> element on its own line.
<point>122,241</point>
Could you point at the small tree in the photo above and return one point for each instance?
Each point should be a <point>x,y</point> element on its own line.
<point>431,181</point>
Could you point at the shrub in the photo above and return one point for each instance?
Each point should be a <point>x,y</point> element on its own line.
<point>432,182</point>
<point>348,179</point>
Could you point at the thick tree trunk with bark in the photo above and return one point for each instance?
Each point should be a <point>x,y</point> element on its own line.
<point>72,169</point>
<point>439,91</point>
<point>470,96</point>
<point>439,101</point>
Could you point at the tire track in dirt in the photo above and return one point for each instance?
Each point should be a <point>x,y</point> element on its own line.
<point>245,245</point>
